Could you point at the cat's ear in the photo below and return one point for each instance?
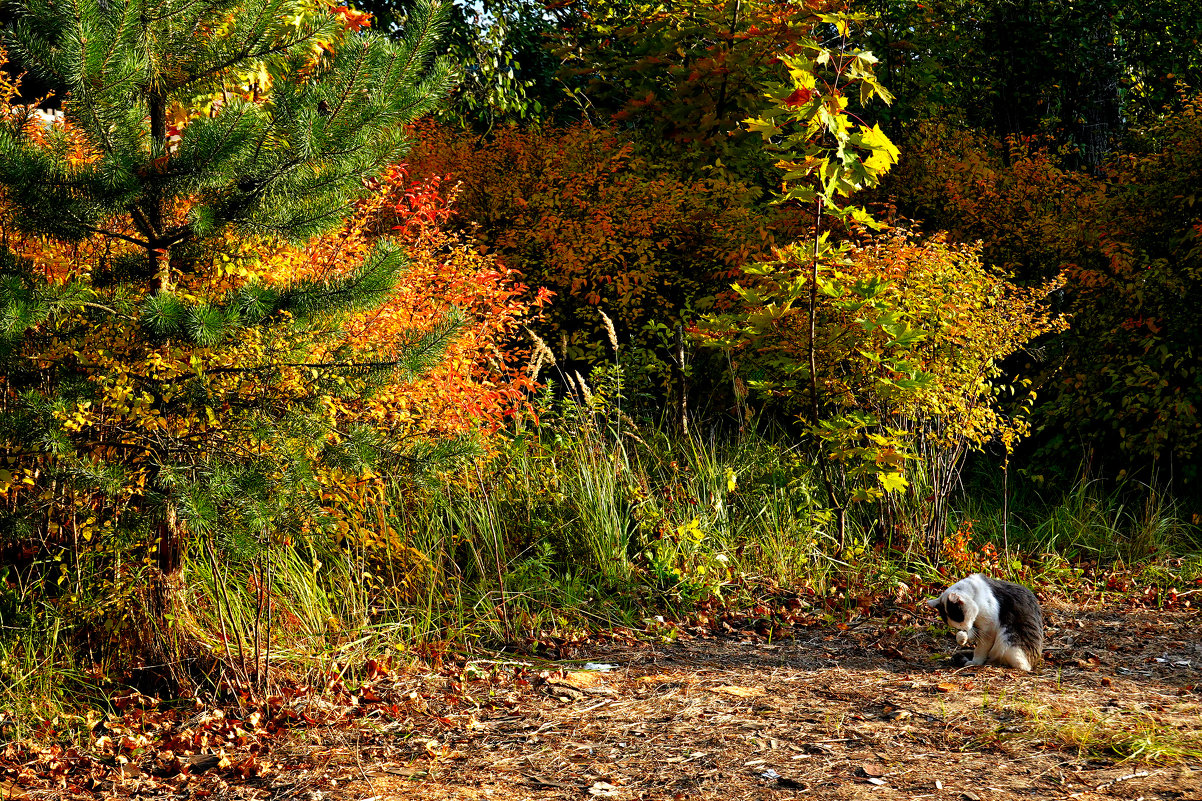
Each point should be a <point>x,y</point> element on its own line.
<point>955,598</point>
<point>933,603</point>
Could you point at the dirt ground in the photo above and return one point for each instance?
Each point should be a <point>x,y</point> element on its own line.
<point>872,709</point>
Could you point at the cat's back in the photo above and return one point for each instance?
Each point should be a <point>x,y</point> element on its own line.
<point>1019,613</point>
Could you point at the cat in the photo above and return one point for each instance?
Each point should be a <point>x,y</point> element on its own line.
<point>1003,618</point>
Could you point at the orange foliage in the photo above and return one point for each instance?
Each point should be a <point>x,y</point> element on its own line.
<point>580,212</point>
<point>55,261</point>
<point>355,20</point>
<point>137,381</point>
<point>959,555</point>
<point>1126,241</point>
<point>1033,216</point>
<point>479,382</point>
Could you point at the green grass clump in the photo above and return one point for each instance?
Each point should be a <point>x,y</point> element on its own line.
<point>1076,724</point>
<point>38,670</point>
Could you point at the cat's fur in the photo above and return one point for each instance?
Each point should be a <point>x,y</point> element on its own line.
<point>1003,618</point>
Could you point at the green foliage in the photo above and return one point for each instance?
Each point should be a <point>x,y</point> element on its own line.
<point>287,124</point>
<point>890,352</point>
<point>910,343</point>
<point>36,660</point>
<point>681,74</point>
<point>592,515</point>
<point>506,74</point>
<point>1122,522</point>
<point>1131,386</point>
<point>210,453</point>
<point>1123,383</point>
<point>825,156</point>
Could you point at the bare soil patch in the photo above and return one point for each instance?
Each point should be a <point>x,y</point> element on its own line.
<point>870,711</point>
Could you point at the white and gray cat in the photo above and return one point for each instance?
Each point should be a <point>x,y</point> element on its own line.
<point>1003,618</point>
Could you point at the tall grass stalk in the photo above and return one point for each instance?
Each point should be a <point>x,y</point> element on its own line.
<point>36,667</point>
<point>1127,523</point>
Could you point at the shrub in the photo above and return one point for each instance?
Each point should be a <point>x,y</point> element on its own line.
<point>580,212</point>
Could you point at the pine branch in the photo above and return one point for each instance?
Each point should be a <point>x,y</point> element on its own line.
<point>419,43</point>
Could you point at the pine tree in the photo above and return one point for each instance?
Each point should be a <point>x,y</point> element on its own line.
<point>160,383</point>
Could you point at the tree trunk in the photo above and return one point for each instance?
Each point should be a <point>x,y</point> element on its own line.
<point>169,645</point>
<point>1099,117</point>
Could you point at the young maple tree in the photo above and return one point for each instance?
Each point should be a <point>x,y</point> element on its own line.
<point>158,376</point>
<point>888,349</point>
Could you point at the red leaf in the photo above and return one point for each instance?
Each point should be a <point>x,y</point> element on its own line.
<point>799,97</point>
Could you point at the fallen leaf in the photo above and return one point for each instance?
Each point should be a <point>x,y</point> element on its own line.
<point>739,692</point>
<point>248,767</point>
<point>11,790</point>
<point>562,689</point>
<point>198,763</point>
<point>583,679</point>
<point>659,678</point>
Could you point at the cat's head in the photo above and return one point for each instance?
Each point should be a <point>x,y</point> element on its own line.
<point>953,607</point>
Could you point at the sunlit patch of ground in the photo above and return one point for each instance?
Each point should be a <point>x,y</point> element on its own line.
<point>869,710</point>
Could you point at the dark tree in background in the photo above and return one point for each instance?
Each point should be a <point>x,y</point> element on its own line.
<point>1080,71</point>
